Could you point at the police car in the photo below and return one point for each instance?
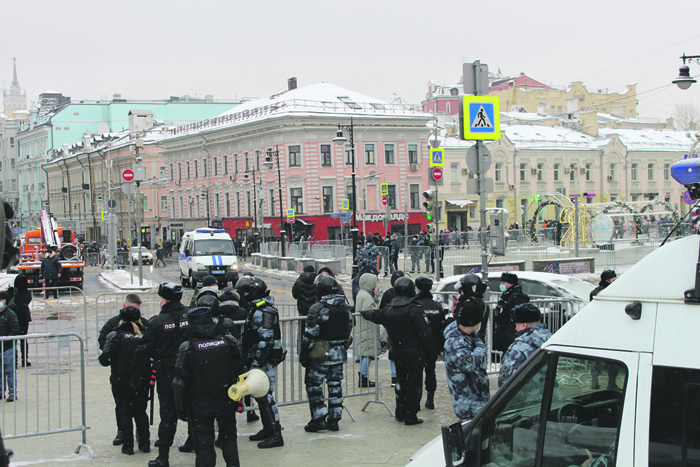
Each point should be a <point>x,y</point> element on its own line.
<point>207,252</point>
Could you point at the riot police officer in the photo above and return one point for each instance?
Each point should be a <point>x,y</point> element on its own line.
<point>328,326</point>
<point>433,311</point>
<point>412,345</point>
<point>160,343</point>
<point>263,349</point>
<point>471,291</point>
<point>208,363</point>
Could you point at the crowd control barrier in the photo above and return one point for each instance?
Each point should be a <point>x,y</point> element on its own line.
<point>50,394</point>
<point>67,313</point>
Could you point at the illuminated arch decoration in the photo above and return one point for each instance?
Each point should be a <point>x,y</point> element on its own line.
<point>667,205</point>
<point>547,200</point>
<point>631,210</point>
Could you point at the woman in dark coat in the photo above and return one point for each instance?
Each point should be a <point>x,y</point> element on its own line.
<point>21,298</point>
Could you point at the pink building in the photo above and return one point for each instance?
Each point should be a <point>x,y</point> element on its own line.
<point>218,172</point>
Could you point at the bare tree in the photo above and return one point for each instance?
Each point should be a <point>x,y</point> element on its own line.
<point>686,116</point>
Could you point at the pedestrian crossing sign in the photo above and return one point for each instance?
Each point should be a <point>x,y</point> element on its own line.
<point>437,157</point>
<point>346,204</point>
<point>290,212</point>
<point>480,118</point>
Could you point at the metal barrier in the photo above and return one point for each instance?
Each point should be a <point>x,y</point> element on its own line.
<point>66,313</point>
<point>49,400</point>
<point>555,313</point>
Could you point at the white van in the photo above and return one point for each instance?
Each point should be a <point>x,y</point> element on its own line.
<point>207,252</point>
<point>618,385</point>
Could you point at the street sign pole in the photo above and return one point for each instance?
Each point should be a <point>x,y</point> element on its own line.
<point>482,176</point>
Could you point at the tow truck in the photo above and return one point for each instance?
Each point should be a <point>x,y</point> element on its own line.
<point>69,251</point>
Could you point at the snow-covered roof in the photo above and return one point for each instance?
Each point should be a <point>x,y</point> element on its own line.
<point>544,137</point>
<point>315,99</point>
<point>651,139</point>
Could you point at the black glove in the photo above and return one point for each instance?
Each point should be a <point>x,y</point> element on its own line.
<point>304,352</point>
<point>477,339</point>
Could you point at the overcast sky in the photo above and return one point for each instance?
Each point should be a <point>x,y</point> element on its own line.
<point>150,49</point>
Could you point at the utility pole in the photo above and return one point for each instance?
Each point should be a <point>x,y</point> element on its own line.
<point>482,188</point>
<point>139,176</point>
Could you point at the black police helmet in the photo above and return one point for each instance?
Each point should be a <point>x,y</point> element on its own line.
<point>471,285</point>
<point>170,291</point>
<point>209,301</point>
<point>244,283</point>
<point>404,287</point>
<point>327,286</point>
<point>258,289</point>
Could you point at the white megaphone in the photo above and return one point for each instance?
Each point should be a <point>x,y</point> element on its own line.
<point>255,383</point>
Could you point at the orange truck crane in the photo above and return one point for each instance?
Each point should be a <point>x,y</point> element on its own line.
<point>34,248</point>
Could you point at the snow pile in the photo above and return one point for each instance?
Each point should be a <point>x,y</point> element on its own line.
<point>122,280</point>
<point>6,280</point>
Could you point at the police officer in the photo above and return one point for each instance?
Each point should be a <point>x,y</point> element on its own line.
<point>208,363</point>
<point>160,344</point>
<point>415,251</point>
<point>471,292</point>
<point>263,349</point>
<point>433,311</point>
<point>531,334</point>
<point>328,325</point>
<point>607,277</point>
<point>118,352</point>
<point>412,346</point>
<point>512,295</point>
<point>465,361</point>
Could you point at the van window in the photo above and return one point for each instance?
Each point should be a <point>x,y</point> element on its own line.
<point>674,420</point>
<point>213,247</point>
<point>579,400</point>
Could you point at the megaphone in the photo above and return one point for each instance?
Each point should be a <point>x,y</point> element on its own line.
<point>255,383</point>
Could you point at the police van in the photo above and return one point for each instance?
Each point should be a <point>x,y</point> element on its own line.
<point>207,252</point>
<point>619,384</point>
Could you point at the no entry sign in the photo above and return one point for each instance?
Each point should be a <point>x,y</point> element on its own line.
<point>437,173</point>
<point>128,175</point>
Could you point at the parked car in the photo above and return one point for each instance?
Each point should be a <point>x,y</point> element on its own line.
<point>535,284</point>
<point>146,256</point>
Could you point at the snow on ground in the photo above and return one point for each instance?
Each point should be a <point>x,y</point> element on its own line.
<point>121,280</point>
<point>293,274</point>
<point>6,280</point>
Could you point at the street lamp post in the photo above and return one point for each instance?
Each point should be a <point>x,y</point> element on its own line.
<point>684,80</point>
<point>268,163</point>
<point>340,140</point>
<point>256,234</point>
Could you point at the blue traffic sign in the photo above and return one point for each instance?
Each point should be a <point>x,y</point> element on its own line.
<point>481,117</point>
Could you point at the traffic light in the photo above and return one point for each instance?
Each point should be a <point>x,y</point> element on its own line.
<point>268,158</point>
<point>429,196</point>
<point>203,195</point>
<point>695,216</point>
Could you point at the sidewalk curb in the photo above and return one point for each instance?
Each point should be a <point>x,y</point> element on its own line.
<point>131,287</point>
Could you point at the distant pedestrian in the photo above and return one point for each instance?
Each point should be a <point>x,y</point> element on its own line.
<point>159,256</point>
<point>21,298</point>
<point>51,271</point>
<point>9,326</point>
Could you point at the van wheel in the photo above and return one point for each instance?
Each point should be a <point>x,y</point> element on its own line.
<point>193,282</point>
<point>184,281</point>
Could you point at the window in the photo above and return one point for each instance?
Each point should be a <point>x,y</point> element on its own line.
<point>163,203</point>
<point>196,169</point>
<point>612,175</point>
<point>245,161</point>
<point>588,419</point>
<point>187,169</point>
<point>12,163</point>
<point>172,206</point>
<point>557,168</point>
<point>499,172</point>
<point>412,153</point>
<point>633,172</point>
<point>540,172</point>
<point>257,159</point>
<point>348,154</point>
<point>215,166</point>
<point>472,212</point>
<point>326,156</point>
<point>0,166</point>
<point>453,173</point>
<point>163,173</point>
<point>235,164</point>
<point>247,203</point>
<point>389,154</point>
<point>225,164</point>
<point>369,154</point>
<point>447,108</point>
<point>12,142</point>
<point>179,171</point>
<point>295,156</point>
<point>217,210</point>
<point>297,200</point>
<point>650,171</point>
<point>145,202</point>
<point>14,185</point>
<point>238,204</point>
<point>674,428</point>
<point>327,199</point>
<point>523,172</point>
<point>499,203</point>
<point>272,202</point>
<point>572,172</point>
<point>391,197</point>
<point>589,168</point>
<point>205,168</point>
<point>413,196</point>
<point>667,172</point>
<point>182,208</point>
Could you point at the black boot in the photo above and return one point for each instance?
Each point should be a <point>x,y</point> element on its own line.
<point>316,425</point>
<point>430,402</point>
<point>128,447</point>
<point>118,440</point>
<point>364,381</point>
<point>260,435</point>
<point>332,424</point>
<point>162,459</point>
<point>251,416</point>
<point>188,446</point>
<point>273,427</point>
